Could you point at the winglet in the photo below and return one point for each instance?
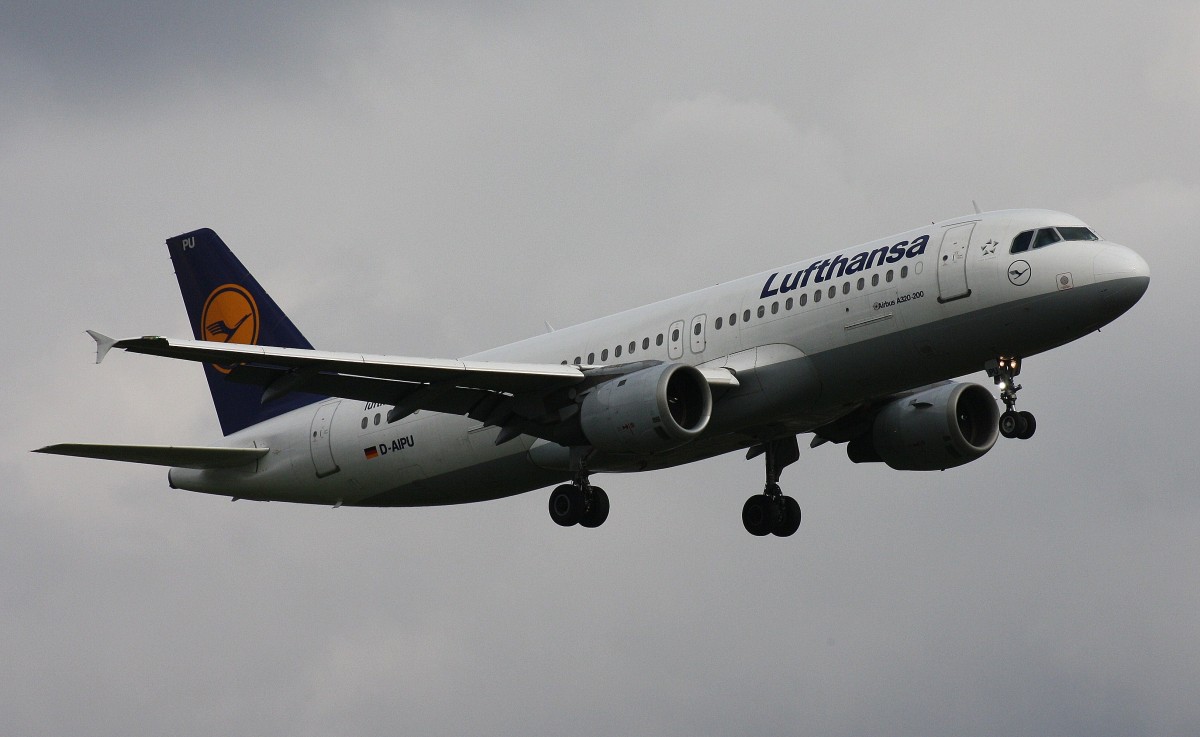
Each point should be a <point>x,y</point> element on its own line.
<point>103,344</point>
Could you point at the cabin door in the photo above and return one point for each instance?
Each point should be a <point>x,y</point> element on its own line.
<point>952,263</point>
<point>320,439</point>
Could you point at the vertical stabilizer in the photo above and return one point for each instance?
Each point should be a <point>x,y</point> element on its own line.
<point>226,304</point>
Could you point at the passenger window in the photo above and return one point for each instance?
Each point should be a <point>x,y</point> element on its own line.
<point>746,316</point>
<point>696,330</point>
<point>675,335</point>
<point>717,324</point>
<point>364,423</point>
<point>617,352</point>
<point>832,292</point>
<point>761,310</point>
<point>903,272</point>
<point>658,340</point>
<point>817,296</point>
<point>376,419</point>
<point>632,346</point>
<point>645,344</point>
<point>774,308</point>
<point>861,283</point>
<point>846,288</point>
<point>1021,242</point>
<point>591,358</point>
<point>874,280</point>
<point>888,278</point>
<point>803,299</point>
<point>733,319</point>
<point>788,305</point>
<point>1045,237</point>
<point>578,360</point>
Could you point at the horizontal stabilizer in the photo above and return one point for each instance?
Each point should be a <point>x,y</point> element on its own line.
<point>177,456</point>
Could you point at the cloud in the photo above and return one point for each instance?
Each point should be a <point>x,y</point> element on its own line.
<point>1173,72</point>
<point>100,53</point>
<point>429,179</point>
<point>724,166</point>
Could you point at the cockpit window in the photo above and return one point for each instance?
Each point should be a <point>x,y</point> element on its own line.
<point>1045,237</point>
<point>1021,242</point>
<point>1077,233</point>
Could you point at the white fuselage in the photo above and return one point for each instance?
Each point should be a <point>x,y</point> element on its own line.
<point>808,342</point>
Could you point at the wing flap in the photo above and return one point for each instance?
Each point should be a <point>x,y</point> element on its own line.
<point>176,456</point>
<point>450,400</point>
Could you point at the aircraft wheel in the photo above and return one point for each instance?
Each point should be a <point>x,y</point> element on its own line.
<point>791,518</point>
<point>760,515</point>
<point>567,505</point>
<point>1030,425</point>
<point>1010,424</point>
<point>598,510</point>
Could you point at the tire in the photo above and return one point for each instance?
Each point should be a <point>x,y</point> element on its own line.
<point>791,518</point>
<point>1030,426</point>
<point>566,505</point>
<point>1010,424</point>
<point>598,512</point>
<point>758,515</point>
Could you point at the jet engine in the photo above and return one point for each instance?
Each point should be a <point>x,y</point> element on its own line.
<point>648,411</point>
<point>932,430</point>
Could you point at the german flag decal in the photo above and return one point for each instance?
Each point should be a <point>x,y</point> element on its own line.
<point>371,452</point>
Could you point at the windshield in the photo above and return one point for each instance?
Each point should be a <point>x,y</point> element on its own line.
<point>1046,236</point>
<point>1077,233</point>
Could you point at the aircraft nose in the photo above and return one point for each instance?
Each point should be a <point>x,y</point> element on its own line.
<point>1124,273</point>
<point>1115,262</point>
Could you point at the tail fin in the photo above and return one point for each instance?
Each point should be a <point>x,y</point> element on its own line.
<point>226,304</point>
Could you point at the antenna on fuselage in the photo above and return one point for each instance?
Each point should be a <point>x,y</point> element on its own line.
<point>976,206</point>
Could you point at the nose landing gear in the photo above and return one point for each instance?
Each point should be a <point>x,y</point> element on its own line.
<point>1013,424</point>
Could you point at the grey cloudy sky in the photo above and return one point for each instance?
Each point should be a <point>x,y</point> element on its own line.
<point>435,179</point>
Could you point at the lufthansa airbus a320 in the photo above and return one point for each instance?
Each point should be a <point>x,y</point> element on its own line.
<point>857,347</point>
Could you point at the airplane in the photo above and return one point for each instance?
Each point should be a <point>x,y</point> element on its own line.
<point>857,347</point>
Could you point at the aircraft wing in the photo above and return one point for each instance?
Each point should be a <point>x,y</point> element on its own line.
<point>485,375</point>
<point>181,456</point>
<point>520,397</point>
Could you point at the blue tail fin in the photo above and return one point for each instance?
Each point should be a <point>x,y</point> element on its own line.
<point>227,305</point>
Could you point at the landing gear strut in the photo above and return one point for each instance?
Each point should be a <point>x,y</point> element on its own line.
<point>771,512</point>
<point>1013,424</point>
<point>579,503</point>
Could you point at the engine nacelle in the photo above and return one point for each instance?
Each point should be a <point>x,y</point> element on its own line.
<point>649,411</point>
<point>932,430</point>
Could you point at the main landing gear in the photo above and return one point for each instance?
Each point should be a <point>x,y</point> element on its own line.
<point>1013,424</point>
<point>771,512</point>
<point>584,505</point>
<point>579,503</point>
